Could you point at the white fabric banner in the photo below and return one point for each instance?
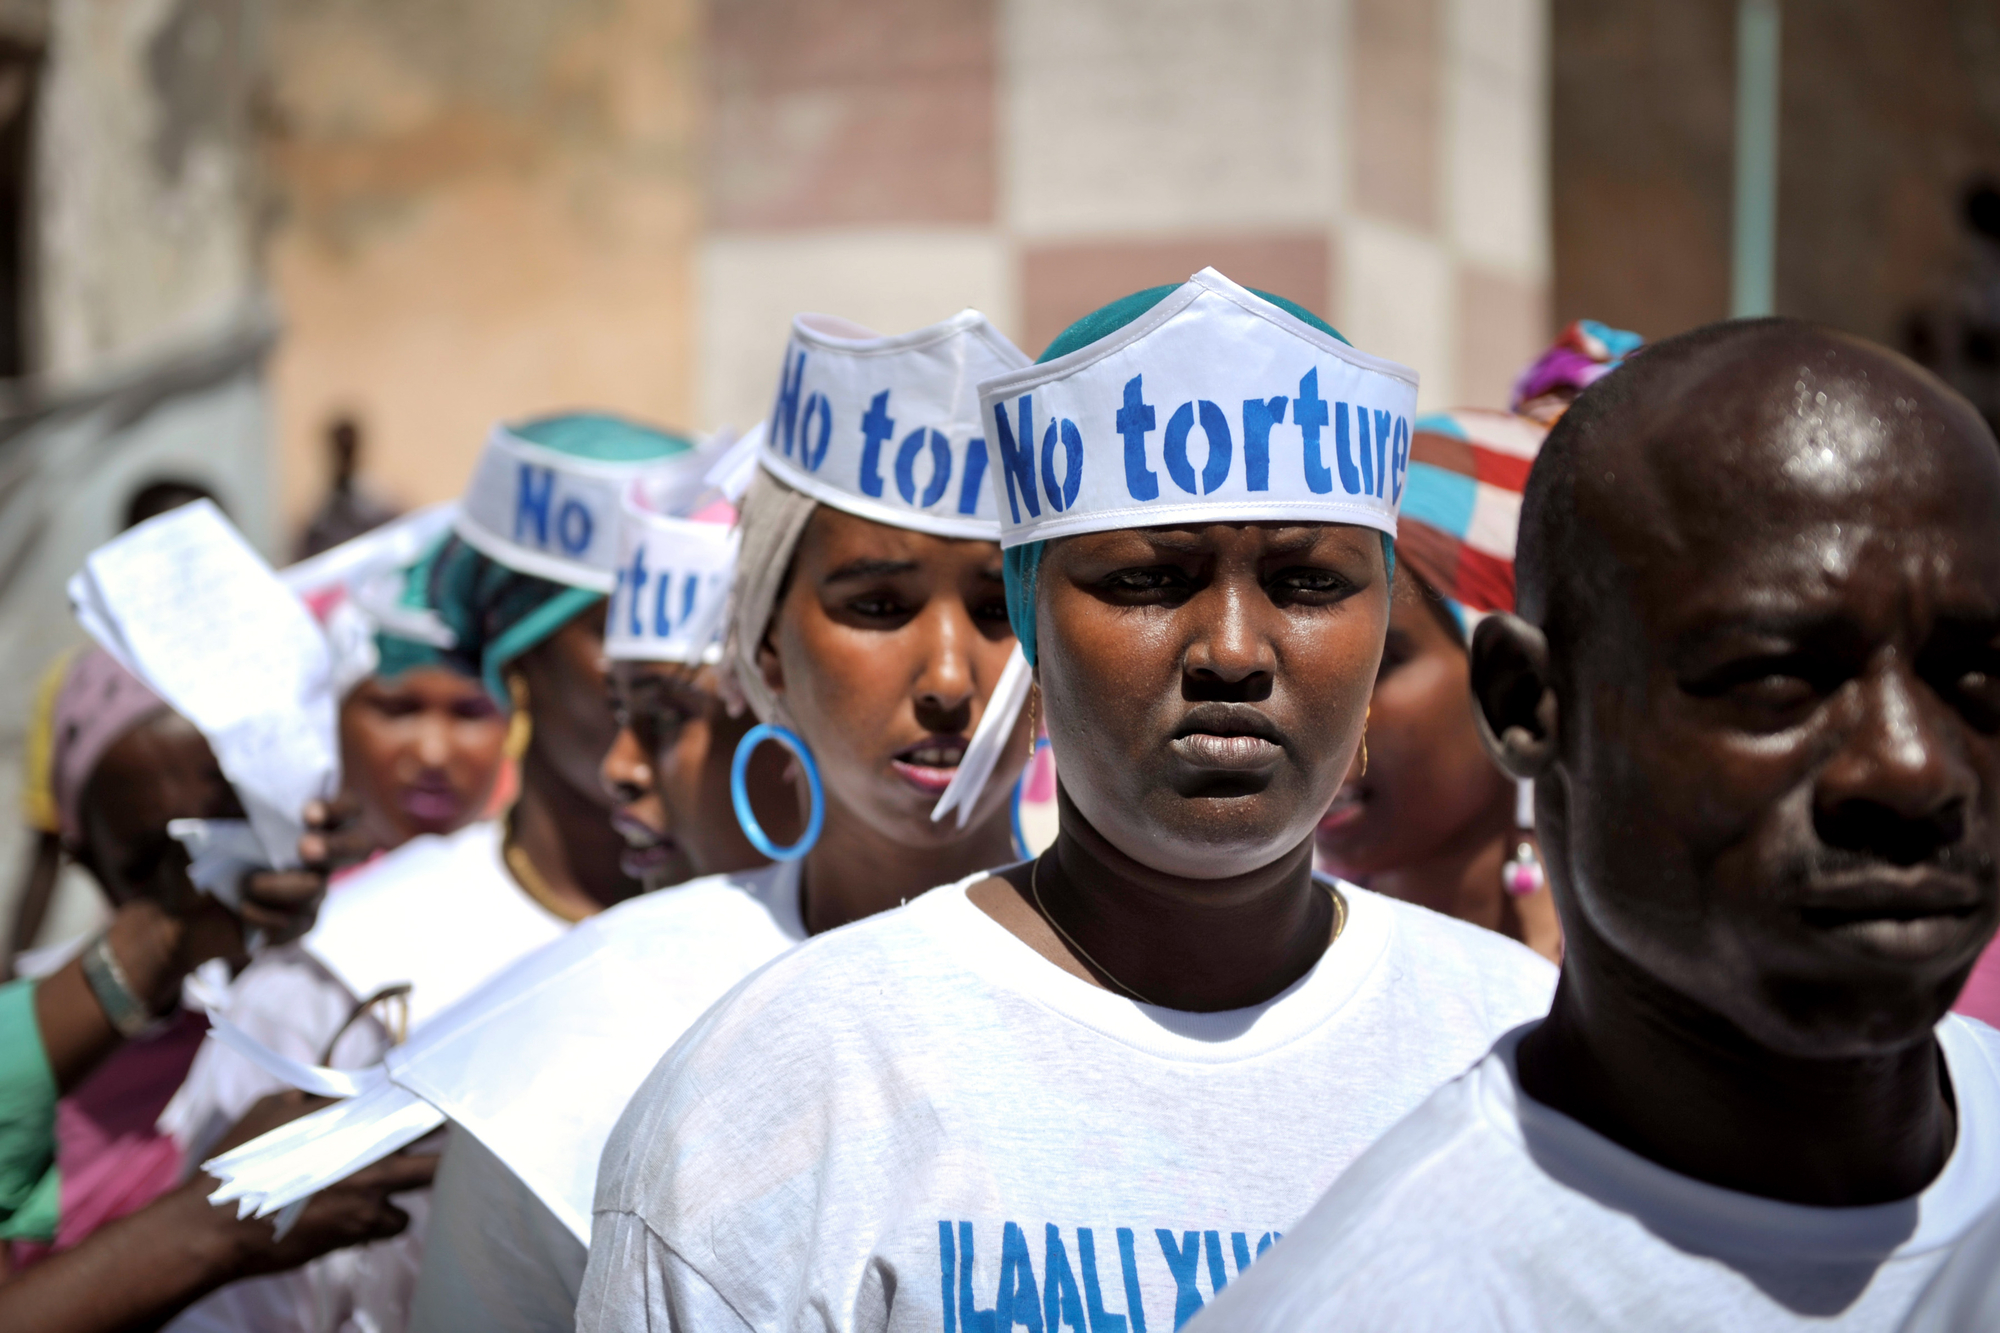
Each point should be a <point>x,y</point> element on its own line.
<point>889,428</point>
<point>672,589</point>
<point>1213,406</point>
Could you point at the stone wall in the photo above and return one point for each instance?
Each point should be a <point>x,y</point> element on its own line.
<point>497,208</point>
<point>1380,161</point>
<point>1887,112</point>
<point>479,208</point>
<point>145,184</point>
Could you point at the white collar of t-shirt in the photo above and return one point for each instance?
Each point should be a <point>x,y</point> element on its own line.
<point>984,947</point>
<point>1708,1219</point>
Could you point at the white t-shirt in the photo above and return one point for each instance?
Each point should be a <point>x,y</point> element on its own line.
<point>1966,1291</point>
<point>916,1120</point>
<point>1488,1210</point>
<point>441,913</point>
<point>535,1076</point>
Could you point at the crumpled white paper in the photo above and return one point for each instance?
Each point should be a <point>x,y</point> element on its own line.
<point>220,852</point>
<point>185,604</point>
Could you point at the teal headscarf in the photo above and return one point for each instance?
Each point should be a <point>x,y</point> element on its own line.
<point>495,613</point>
<point>1021,565</point>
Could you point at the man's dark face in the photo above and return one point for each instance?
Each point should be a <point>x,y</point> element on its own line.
<point>1781,736</point>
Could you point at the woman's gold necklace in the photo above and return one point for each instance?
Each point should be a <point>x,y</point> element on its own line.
<point>530,879</point>
<point>1035,889</point>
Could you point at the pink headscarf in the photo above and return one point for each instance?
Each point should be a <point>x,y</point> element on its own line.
<point>99,702</point>
<point>1581,355</point>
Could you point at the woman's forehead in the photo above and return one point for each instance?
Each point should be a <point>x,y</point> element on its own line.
<point>834,536</point>
<point>1197,537</point>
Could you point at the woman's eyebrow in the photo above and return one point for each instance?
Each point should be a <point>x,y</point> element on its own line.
<point>1291,541</point>
<point>1174,543</point>
<point>867,568</point>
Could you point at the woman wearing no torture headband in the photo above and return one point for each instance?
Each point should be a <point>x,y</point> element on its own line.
<point>516,592</point>
<point>1099,1084</point>
<point>872,627</point>
<point>498,1256</point>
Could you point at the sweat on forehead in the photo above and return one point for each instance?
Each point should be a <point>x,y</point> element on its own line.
<point>1731,431</point>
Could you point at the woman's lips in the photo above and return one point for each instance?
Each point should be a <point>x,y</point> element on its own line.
<point>1210,750</point>
<point>644,862</point>
<point>930,764</point>
<point>646,849</point>
<point>431,805</point>
<point>1228,736</point>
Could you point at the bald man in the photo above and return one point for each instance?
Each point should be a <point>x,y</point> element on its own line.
<point>1756,676</point>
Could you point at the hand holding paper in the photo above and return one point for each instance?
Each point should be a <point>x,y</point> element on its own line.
<point>185,604</point>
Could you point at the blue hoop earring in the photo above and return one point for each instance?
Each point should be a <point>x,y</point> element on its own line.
<point>739,792</point>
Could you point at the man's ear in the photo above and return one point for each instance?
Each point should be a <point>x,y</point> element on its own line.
<point>1514,700</point>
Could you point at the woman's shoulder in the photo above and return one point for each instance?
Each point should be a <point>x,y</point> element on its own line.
<point>429,851</point>
<point>905,938</point>
<point>829,1014</point>
<point>428,863</point>
<point>764,898</point>
<point>857,962</point>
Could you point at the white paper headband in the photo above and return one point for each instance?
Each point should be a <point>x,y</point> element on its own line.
<point>889,428</point>
<point>1215,405</point>
<point>672,586</point>
<point>552,514</point>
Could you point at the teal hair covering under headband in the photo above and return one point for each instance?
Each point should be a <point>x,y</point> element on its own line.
<point>396,654</point>
<point>494,613</point>
<point>1021,565</point>
<point>602,438</point>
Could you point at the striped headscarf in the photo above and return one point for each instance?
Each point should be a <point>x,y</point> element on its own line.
<point>1469,467</point>
<point>1462,506</point>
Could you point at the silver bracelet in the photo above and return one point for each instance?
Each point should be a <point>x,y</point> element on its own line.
<point>127,1012</point>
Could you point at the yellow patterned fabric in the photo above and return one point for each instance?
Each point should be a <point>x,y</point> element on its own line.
<point>38,793</point>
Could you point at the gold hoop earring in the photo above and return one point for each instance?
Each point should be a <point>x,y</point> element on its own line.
<point>1364,740</point>
<point>520,726</point>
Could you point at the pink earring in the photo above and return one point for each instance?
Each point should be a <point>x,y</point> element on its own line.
<point>1523,876</point>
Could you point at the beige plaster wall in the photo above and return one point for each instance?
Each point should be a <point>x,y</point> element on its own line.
<point>1380,160</point>
<point>145,180</point>
<point>481,208</point>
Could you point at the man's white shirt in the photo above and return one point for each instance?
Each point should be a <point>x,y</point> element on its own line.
<point>918,1122</point>
<point>1486,1209</point>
